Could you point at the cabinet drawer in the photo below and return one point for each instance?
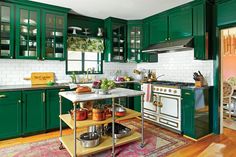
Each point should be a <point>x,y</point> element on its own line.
<point>168,123</point>
<point>9,96</point>
<point>150,117</point>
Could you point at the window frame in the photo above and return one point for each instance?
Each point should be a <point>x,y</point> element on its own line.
<point>83,62</point>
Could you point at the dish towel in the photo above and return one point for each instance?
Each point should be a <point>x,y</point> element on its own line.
<point>147,88</point>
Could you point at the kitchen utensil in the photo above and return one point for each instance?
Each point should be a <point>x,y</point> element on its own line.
<point>81,114</point>
<point>6,42</point>
<point>31,22</point>
<point>98,114</point>
<point>39,78</point>
<point>120,130</point>
<point>58,55</point>
<point>89,139</point>
<point>5,52</point>
<point>24,29</point>
<point>100,129</point>
<point>120,111</point>
<point>58,34</point>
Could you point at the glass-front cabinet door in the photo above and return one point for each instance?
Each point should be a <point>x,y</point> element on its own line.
<point>134,42</point>
<point>54,36</point>
<point>119,42</point>
<point>7,30</point>
<point>27,33</point>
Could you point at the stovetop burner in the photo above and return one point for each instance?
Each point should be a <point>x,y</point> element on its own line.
<point>170,83</point>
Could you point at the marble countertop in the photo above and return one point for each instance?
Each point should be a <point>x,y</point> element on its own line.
<point>114,93</point>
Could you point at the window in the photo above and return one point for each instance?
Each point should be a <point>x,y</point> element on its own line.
<point>84,54</point>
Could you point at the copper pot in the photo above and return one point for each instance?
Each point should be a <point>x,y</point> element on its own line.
<point>99,114</point>
<point>81,114</point>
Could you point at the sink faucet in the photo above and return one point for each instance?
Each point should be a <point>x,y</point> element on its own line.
<point>160,76</point>
<point>88,71</point>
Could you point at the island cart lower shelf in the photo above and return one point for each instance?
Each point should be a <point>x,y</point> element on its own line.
<point>105,144</point>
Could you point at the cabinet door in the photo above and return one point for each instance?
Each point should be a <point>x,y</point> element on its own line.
<point>54,36</point>
<point>137,99</point>
<point>199,32</point>
<point>134,42</point>
<point>33,111</point>
<point>226,12</point>
<point>119,42</point>
<point>187,110</point>
<point>53,108</point>
<point>10,114</point>
<point>180,24</point>
<point>7,30</point>
<point>27,33</point>
<point>159,29</point>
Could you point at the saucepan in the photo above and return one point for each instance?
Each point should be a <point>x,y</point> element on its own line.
<point>89,139</point>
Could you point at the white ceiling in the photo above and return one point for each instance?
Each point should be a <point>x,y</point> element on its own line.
<point>125,9</point>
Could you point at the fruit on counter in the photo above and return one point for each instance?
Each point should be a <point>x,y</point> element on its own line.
<point>107,84</point>
<point>120,79</point>
<point>50,83</point>
<point>127,78</point>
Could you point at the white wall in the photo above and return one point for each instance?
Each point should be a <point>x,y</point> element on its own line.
<point>12,72</point>
<point>177,66</point>
<point>180,66</point>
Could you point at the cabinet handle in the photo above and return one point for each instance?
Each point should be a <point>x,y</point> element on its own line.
<point>168,38</point>
<point>43,96</point>
<point>3,96</point>
<point>19,101</point>
<point>187,93</point>
<point>62,90</point>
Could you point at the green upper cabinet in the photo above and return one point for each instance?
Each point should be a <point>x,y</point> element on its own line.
<point>159,29</point>
<point>202,31</point>
<point>180,24</point>
<point>33,111</point>
<point>27,32</point>
<point>54,35</point>
<point>226,12</point>
<point>115,40</point>
<point>7,30</point>
<point>10,114</point>
<point>135,34</point>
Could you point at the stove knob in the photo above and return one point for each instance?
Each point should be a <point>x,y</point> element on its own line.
<point>169,90</point>
<point>164,90</point>
<point>175,91</point>
<point>157,89</point>
<point>161,89</point>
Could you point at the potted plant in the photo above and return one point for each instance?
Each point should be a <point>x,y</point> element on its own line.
<point>106,85</point>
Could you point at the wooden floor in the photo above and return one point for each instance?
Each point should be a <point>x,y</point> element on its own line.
<point>228,140</point>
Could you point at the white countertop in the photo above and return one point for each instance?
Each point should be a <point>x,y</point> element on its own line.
<point>114,93</point>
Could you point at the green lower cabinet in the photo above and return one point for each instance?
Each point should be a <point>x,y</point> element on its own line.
<point>10,114</point>
<point>137,99</point>
<point>196,107</point>
<point>53,108</point>
<point>34,111</point>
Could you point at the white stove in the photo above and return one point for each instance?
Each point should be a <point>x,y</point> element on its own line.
<point>165,109</point>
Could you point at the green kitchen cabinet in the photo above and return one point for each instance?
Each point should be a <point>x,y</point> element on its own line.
<point>10,114</point>
<point>34,106</point>
<point>159,29</point>
<point>54,35</point>
<point>137,99</point>
<point>202,31</point>
<point>115,40</point>
<point>135,35</point>
<point>53,108</point>
<point>226,12</point>
<point>27,32</point>
<point>7,30</point>
<point>195,112</point>
<point>126,101</point>
<point>180,24</point>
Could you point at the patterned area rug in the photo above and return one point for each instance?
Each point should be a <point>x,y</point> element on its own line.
<point>158,142</point>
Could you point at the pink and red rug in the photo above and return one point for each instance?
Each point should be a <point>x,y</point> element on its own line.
<point>158,143</point>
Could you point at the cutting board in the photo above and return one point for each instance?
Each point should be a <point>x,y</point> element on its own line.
<point>40,78</point>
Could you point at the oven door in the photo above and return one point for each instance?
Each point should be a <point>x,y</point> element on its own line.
<point>168,106</point>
